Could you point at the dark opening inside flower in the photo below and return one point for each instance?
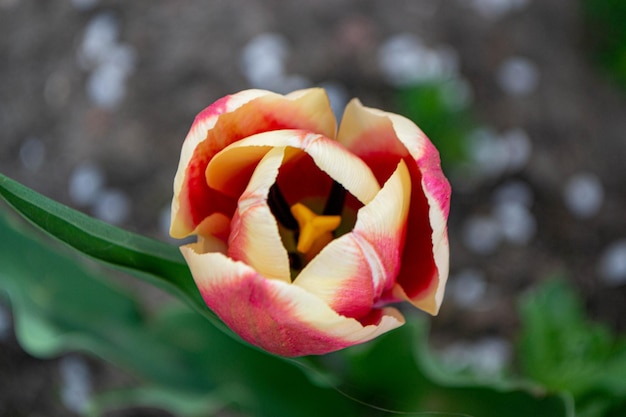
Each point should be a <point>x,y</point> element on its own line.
<point>306,233</point>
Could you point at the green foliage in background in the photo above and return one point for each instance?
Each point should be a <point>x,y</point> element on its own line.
<point>564,351</point>
<point>606,34</point>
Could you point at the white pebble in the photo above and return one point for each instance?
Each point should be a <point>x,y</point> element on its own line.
<point>32,154</point>
<point>405,60</point>
<point>517,224</point>
<point>612,265</point>
<point>263,59</point>
<point>583,195</point>
<point>486,357</point>
<point>122,56</point>
<point>518,147</point>
<point>112,206</point>
<point>518,76</point>
<point>75,383</point>
<point>99,40</point>
<point>492,355</point>
<point>468,287</point>
<point>482,234</point>
<point>493,154</point>
<point>85,183</point>
<point>110,62</point>
<point>106,86</point>
<point>514,191</point>
<point>489,154</point>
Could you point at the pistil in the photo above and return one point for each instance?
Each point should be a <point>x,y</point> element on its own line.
<point>310,231</point>
<point>316,231</point>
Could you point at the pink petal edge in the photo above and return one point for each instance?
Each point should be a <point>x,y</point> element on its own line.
<point>276,316</point>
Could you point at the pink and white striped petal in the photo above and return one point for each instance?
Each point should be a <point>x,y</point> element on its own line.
<point>437,191</point>
<point>330,156</point>
<point>254,236</point>
<point>281,318</point>
<point>381,139</point>
<point>352,272</point>
<point>228,120</point>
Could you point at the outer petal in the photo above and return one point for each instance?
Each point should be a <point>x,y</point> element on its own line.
<point>254,237</point>
<point>279,317</point>
<point>352,272</point>
<point>379,138</point>
<point>229,120</point>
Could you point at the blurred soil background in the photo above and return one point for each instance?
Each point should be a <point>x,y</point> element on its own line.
<point>97,96</point>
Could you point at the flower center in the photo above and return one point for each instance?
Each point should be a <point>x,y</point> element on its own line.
<point>315,231</point>
<point>305,233</point>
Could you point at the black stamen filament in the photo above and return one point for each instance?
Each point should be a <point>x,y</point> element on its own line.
<point>336,200</point>
<point>280,208</point>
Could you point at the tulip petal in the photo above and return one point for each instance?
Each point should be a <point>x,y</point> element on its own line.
<point>254,237</point>
<point>352,272</point>
<point>281,318</point>
<point>226,121</point>
<point>381,139</point>
<point>436,208</point>
<point>350,171</point>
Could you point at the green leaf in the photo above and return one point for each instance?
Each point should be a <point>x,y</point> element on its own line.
<point>398,372</point>
<point>60,305</point>
<point>181,404</point>
<point>159,263</point>
<point>564,351</point>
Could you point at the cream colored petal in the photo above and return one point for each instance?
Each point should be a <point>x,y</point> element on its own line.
<point>368,132</point>
<point>341,275</point>
<point>279,317</point>
<point>352,272</point>
<point>352,173</point>
<point>315,105</point>
<point>254,237</point>
<point>382,223</point>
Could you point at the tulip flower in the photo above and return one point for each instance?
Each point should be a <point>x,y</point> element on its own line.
<point>306,233</point>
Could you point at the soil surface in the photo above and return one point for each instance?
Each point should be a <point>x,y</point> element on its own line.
<point>104,92</point>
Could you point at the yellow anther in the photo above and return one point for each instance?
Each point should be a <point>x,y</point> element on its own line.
<point>315,230</point>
